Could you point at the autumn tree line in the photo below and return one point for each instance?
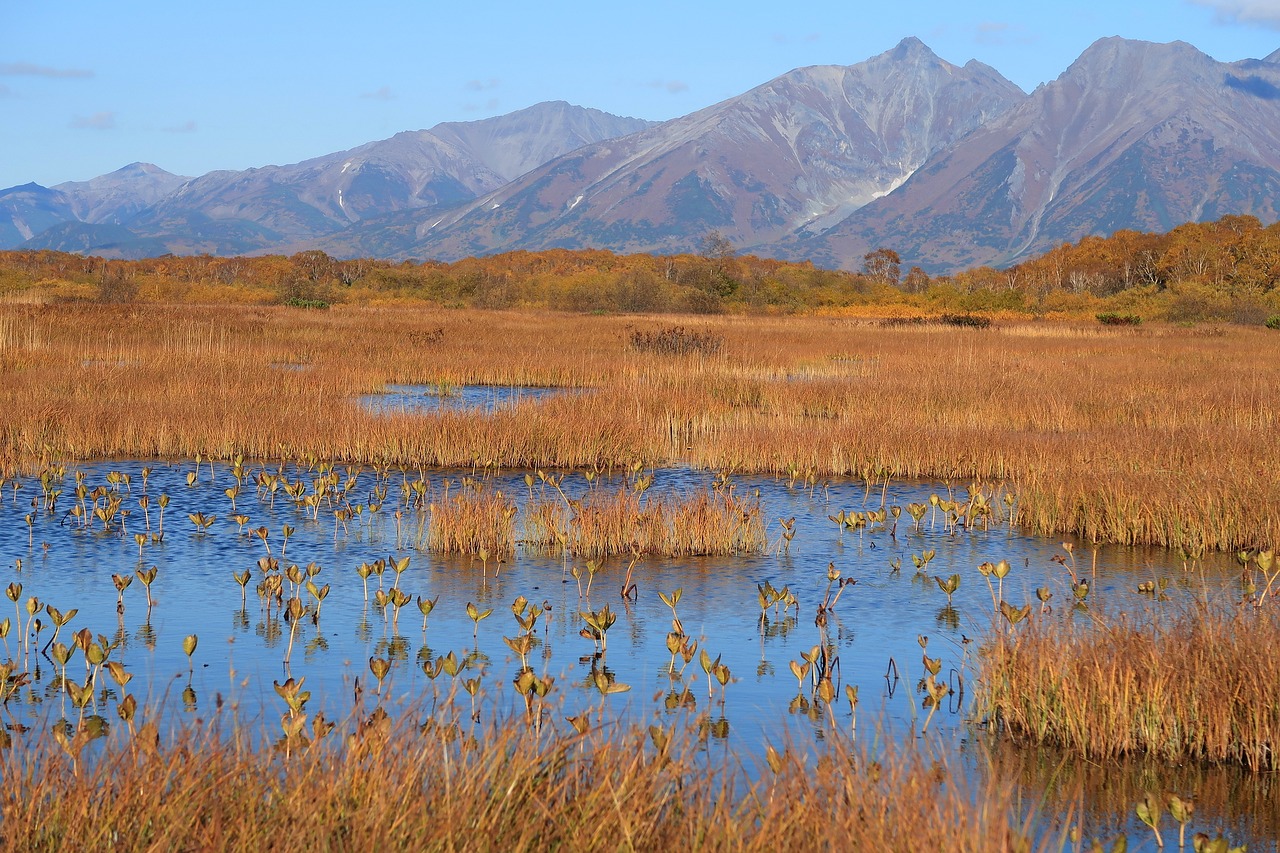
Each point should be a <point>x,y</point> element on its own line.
<point>1225,270</point>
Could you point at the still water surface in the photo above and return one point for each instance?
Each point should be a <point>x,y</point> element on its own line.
<point>874,631</point>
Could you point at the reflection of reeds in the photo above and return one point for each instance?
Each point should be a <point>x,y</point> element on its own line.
<point>603,524</point>
<point>383,783</point>
<point>1102,795</point>
<point>1199,684</point>
<point>1155,438</point>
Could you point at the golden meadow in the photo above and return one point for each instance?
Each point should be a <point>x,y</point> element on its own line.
<point>1162,435</point>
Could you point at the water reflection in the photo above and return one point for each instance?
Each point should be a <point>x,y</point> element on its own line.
<point>418,399</point>
<point>1230,801</point>
<point>796,639</point>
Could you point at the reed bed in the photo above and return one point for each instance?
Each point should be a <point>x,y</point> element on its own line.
<point>1196,684</point>
<point>704,522</point>
<point>1161,436</point>
<point>475,520</point>
<point>400,785</point>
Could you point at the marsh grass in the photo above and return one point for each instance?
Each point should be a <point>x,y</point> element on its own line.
<point>676,340</point>
<point>476,519</point>
<point>1195,683</point>
<point>399,784</point>
<point>609,523</point>
<point>1158,436</point>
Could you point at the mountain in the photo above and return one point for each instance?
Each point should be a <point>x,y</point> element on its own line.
<point>29,209</point>
<point>102,239</point>
<point>1133,135</point>
<point>801,151</point>
<point>950,166</point>
<point>268,208</point>
<point>119,196</point>
<point>446,165</point>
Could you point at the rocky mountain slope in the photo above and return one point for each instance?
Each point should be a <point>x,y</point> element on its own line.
<point>228,212</point>
<point>1133,135</point>
<point>950,166</point>
<point>800,152</point>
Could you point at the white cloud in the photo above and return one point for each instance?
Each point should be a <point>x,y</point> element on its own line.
<point>105,120</point>
<point>382,93</point>
<point>1264,13</point>
<point>28,69</point>
<point>488,106</point>
<point>1000,33</point>
<point>185,127</point>
<point>673,87</point>
<point>481,85</point>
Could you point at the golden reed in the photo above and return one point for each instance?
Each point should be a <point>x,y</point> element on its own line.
<point>1162,436</point>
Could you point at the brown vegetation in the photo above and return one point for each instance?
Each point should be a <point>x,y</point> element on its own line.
<point>1154,435</point>
<point>626,521</point>
<point>1223,271</point>
<point>397,786</point>
<point>1176,686</point>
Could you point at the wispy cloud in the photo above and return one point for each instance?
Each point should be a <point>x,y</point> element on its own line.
<point>28,69</point>
<point>105,120</point>
<point>382,93</point>
<point>673,87</point>
<point>184,127</point>
<point>482,85</point>
<point>5,91</point>
<point>1263,13</point>
<point>487,107</point>
<point>1000,32</point>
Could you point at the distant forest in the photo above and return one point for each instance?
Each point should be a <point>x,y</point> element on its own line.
<point>1227,270</point>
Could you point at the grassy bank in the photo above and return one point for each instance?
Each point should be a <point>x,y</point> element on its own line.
<point>384,785</point>
<point>1191,683</point>
<point>1154,435</point>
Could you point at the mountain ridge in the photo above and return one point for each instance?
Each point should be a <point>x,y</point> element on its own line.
<point>812,144</point>
<point>1132,135</point>
<point>948,165</point>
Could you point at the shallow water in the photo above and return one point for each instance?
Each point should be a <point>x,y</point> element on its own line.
<point>419,399</point>
<point>874,630</point>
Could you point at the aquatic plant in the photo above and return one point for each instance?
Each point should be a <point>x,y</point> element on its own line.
<point>477,615</point>
<point>598,623</point>
<point>189,644</point>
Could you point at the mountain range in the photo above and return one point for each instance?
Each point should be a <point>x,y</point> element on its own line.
<point>950,166</point>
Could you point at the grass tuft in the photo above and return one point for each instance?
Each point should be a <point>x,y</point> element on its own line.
<point>1196,685</point>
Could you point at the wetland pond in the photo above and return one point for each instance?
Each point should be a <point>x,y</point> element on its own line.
<point>737,608</point>
<point>423,399</point>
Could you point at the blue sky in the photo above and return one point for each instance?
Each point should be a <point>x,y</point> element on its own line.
<point>88,86</point>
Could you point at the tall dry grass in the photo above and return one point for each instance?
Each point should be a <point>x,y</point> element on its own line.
<point>474,520</point>
<point>1162,436</point>
<point>398,786</point>
<point>1191,684</point>
<point>613,523</point>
